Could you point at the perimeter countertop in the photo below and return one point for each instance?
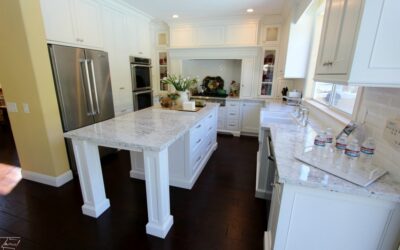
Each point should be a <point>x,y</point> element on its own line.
<point>285,137</point>
<point>151,129</point>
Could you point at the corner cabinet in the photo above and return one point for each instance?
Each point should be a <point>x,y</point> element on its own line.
<point>359,43</point>
<point>269,72</point>
<point>76,22</point>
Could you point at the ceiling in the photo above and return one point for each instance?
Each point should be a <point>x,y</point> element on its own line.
<point>188,9</point>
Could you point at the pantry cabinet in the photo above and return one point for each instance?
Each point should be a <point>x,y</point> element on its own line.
<point>359,44</point>
<point>115,37</point>
<point>76,22</point>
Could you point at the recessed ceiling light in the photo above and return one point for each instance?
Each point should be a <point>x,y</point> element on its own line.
<point>175,16</point>
<point>249,10</point>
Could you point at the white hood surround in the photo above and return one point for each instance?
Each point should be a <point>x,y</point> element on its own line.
<point>250,57</point>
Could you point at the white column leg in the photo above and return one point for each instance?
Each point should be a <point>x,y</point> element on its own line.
<point>91,178</point>
<point>157,191</point>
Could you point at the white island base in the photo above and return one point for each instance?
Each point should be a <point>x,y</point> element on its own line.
<point>157,186</point>
<point>166,143</point>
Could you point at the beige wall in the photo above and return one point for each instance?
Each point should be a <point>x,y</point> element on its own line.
<point>25,74</point>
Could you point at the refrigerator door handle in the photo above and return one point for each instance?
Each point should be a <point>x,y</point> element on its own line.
<point>96,96</point>
<point>89,89</point>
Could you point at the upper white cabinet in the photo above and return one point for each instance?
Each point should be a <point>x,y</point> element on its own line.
<point>76,22</point>
<point>216,34</point>
<point>142,35</point>
<point>359,43</point>
<point>241,34</point>
<point>270,34</point>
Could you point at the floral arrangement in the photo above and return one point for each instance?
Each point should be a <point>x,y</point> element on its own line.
<point>180,83</point>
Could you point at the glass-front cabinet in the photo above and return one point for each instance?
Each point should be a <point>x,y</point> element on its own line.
<point>163,68</point>
<point>269,72</point>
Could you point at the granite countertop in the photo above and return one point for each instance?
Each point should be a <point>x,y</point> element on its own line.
<point>152,128</point>
<point>286,136</point>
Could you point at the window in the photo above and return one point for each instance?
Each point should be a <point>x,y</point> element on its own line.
<point>336,96</point>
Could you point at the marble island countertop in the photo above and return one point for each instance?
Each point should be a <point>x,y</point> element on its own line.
<point>152,129</point>
<point>287,135</point>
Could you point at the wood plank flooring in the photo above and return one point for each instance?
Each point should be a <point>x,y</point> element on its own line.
<point>220,212</point>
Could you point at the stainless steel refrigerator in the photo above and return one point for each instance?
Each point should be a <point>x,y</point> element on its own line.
<point>83,86</point>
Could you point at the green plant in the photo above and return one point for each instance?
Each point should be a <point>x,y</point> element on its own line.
<point>180,83</point>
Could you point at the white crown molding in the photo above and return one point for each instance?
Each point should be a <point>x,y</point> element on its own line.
<point>46,179</point>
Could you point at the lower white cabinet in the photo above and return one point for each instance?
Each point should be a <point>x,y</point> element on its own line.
<point>240,116</point>
<point>251,117</point>
<point>314,219</point>
<point>188,155</point>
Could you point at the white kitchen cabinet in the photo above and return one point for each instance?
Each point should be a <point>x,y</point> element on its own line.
<point>218,34</point>
<point>250,116</point>
<point>115,36</point>
<point>138,35</point>
<point>270,35</point>
<point>269,72</point>
<point>308,218</point>
<point>359,43</point>
<point>247,78</point>
<point>142,37</point>
<point>241,34</point>
<point>188,155</point>
<point>76,22</point>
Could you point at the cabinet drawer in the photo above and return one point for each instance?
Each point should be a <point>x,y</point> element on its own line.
<point>232,114</point>
<point>232,124</point>
<point>196,135</point>
<point>233,106</point>
<point>196,159</point>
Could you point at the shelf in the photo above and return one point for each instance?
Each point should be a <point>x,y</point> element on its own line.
<point>163,65</point>
<point>269,83</point>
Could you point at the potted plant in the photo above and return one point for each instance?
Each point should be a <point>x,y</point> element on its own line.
<point>181,85</point>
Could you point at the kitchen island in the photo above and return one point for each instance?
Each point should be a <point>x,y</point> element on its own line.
<point>151,133</point>
<point>312,209</point>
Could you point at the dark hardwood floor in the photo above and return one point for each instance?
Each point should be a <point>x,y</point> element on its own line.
<point>220,212</point>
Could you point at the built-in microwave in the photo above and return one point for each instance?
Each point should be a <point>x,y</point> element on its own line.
<point>140,73</point>
<point>142,99</point>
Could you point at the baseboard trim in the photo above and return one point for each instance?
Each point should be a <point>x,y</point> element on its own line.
<point>46,179</point>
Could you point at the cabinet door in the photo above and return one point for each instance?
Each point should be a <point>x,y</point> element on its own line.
<point>248,65</point>
<point>142,37</point>
<point>241,34</point>
<point>58,20</point>
<point>251,117</point>
<point>338,36</point>
<point>268,79</point>
<point>376,60</point>
<point>270,34</point>
<point>274,211</point>
<point>88,23</point>
<point>115,44</point>
<point>183,37</point>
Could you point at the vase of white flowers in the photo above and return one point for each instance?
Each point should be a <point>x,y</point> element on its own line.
<point>181,85</point>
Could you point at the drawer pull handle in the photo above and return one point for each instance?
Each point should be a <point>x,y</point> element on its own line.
<point>232,113</point>
<point>198,159</point>
<point>209,128</point>
<point>232,125</point>
<point>198,141</point>
<point>210,116</point>
<point>198,126</point>
<point>209,143</point>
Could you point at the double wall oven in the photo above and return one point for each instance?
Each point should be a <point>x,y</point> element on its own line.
<point>141,82</point>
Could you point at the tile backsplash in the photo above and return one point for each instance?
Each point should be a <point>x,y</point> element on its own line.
<point>377,106</point>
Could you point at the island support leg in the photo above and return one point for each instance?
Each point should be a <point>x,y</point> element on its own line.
<point>157,191</point>
<point>91,178</point>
